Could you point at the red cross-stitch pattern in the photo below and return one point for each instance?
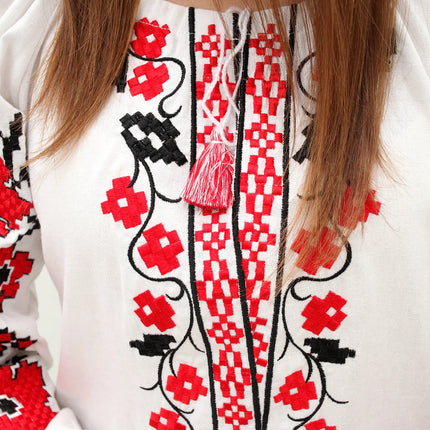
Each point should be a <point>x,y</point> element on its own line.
<point>12,207</point>
<point>219,292</point>
<point>161,249</point>
<point>187,385</point>
<point>124,203</point>
<point>296,392</point>
<point>319,425</point>
<point>322,313</point>
<point>148,80</point>
<point>260,182</point>
<point>324,253</point>
<point>209,47</point>
<point>371,206</point>
<point>165,420</point>
<point>26,391</point>
<point>154,311</point>
<point>9,339</point>
<point>151,38</point>
<point>12,268</point>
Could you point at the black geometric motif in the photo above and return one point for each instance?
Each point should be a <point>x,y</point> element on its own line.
<point>4,274</point>
<point>327,350</point>
<point>11,143</point>
<point>143,148</point>
<point>303,152</point>
<point>153,344</point>
<point>9,340</point>
<point>8,406</point>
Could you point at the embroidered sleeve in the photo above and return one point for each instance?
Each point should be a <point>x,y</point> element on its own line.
<point>26,393</point>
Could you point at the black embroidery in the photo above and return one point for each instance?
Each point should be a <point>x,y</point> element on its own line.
<point>303,152</point>
<point>146,148</point>
<point>328,350</point>
<point>153,344</point>
<point>4,275</point>
<point>8,406</point>
<point>11,143</point>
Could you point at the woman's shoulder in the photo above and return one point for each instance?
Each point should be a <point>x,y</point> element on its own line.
<point>25,30</point>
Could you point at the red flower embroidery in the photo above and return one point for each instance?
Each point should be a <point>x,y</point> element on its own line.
<point>24,399</point>
<point>124,203</point>
<point>319,425</point>
<point>12,207</point>
<point>323,254</point>
<point>322,313</point>
<point>12,268</point>
<point>151,38</point>
<point>165,420</point>
<point>154,311</point>
<point>186,386</point>
<point>148,80</point>
<point>161,249</point>
<point>296,392</point>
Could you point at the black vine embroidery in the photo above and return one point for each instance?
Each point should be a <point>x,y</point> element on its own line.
<point>153,344</point>
<point>153,128</point>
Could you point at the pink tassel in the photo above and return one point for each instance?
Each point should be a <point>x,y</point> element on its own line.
<point>210,182</point>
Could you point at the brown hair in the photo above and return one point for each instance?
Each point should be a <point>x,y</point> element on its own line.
<point>353,43</point>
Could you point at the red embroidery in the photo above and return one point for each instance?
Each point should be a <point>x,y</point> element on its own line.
<point>12,268</point>
<point>165,420</point>
<point>324,253</point>
<point>371,206</point>
<point>319,425</point>
<point>161,249</point>
<point>24,399</point>
<point>12,207</point>
<point>186,386</point>
<point>322,313</point>
<point>296,392</point>
<point>209,46</point>
<point>154,311</point>
<point>148,80</point>
<point>124,203</point>
<point>9,339</point>
<point>235,414</point>
<point>151,38</point>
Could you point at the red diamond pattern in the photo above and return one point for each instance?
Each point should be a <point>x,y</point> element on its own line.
<point>165,420</point>
<point>124,203</point>
<point>296,392</point>
<point>154,311</point>
<point>187,385</point>
<point>319,425</point>
<point>150,38</point>
<point>148,80</point>
<point>161,249</point>
<point>324,253</point>
<point>324,313</point>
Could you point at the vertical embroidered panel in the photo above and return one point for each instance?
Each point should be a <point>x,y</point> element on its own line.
<point>261,184</point>
<point>216,278</point>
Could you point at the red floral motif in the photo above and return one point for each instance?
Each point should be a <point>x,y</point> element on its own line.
<point>226,333</point>
<point>165,420</point>
<point>124,203</point>
<point>12,268</point>
<point>235,414</point>
<point>9,339</point>
<point>25,398</point>
<point>186,386</point>
<point>348,211</point>
<point>322,313</point>
<point>161,249</point>
<point>154,311</point>
<point>319,425</point>
<point>12,207</point>
<point>296,392</point>
<point>151,38</point>
<point>148,80</point>
<point>323,254</point>
<point>209,46</point>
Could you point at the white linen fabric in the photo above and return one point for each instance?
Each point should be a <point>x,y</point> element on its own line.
<point>169,314</point>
